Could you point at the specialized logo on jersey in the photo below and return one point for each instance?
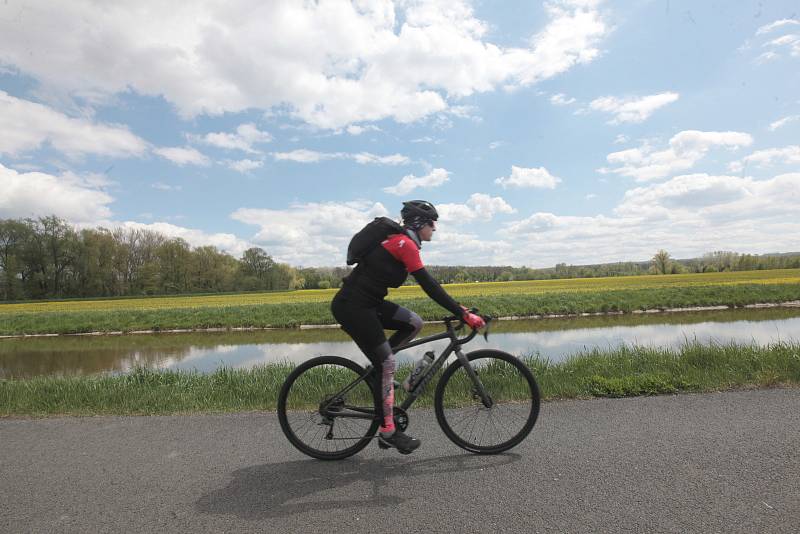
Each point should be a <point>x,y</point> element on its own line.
<point>407,255</point>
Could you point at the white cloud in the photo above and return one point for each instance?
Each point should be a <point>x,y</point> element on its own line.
<point>27,126</point>
<point>365,158</point>
<point>453,246</point>
<point>479,206</point>
<point>766,57</point>
<point>687,215</point>
<point>334,64</point>
<point>165,187</point>
<point>786,43</point>
<point>311,233</point>
<point>196,238</point>
<point>569,39</point>
<point>783,122</point>
<point>355,129</point>
<point>303,155</point>
<point>714,200</point>
<point>496,144</point>
<point>429,139</point>
<point>245,165</point>
<point>245,137</point>
<point>621,139</point>
<point>37,194</point>
<point>632,109</point>
<point>685,150</point>
<point>535,177</point>
<point>763,158</point>
<point>789,42</point>
<point>465,112</point>
<point>410,182</point>
<point>183,156</point>
<point>767,28</point>
<point>561,99</point>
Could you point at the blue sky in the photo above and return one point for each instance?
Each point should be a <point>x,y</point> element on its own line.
<point>575,131</point>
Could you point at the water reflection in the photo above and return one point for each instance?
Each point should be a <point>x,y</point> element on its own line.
<point>555,338</point>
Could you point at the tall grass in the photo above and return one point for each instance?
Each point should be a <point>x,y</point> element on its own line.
<point>625,371</point>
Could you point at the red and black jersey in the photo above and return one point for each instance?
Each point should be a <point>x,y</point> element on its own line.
<point>383,267</point>
<point>388,266</point>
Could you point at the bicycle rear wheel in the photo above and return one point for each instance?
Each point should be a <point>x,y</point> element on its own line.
<point>319,382</point>
<point>512,414</point>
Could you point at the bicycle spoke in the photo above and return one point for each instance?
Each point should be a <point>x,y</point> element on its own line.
<point>514,408</point>
<point>491,419</point>
<point>338,384</point>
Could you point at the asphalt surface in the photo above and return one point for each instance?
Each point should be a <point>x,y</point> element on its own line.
<point>724,462</point>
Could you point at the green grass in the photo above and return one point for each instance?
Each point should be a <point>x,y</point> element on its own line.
<point>291,314</point>
<point>626,371</point>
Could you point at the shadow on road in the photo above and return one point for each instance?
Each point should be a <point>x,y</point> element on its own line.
<point>285,489</point>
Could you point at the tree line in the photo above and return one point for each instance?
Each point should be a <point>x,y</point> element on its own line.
<point>661,263</point>
<point>48,258</point>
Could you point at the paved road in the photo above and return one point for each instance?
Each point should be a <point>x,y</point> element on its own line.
<point>725,462</point>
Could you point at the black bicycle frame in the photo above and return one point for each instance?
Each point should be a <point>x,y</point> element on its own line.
<point>430,372</point>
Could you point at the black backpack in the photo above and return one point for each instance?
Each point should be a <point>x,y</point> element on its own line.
<point>370,237</point>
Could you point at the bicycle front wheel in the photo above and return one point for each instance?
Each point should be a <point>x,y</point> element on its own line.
<point>513,410</point>
<point>320,382</point>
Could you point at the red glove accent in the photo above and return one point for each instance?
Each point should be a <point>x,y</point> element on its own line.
<point>474,321</point>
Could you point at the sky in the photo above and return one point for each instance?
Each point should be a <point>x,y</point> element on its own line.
<point>574,131</point>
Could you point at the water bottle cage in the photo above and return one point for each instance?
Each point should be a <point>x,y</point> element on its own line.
<point>421,366</point>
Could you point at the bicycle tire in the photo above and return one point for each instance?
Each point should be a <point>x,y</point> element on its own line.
<point>325,382</point>
<point>495,369</point>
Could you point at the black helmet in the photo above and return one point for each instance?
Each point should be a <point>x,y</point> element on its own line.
<point>421,210</point>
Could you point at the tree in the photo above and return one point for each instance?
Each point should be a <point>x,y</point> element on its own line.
<point>721,259</point>
<point>283,276</point>
<point>174,258</point>
<point>257,265</point>
<point>94,273</point>
<point>137,260</point>
<point>505,276</point>
<point>212,270</point>
<point>661,262</point>
<point>61,242</point>
<point>13,235</point>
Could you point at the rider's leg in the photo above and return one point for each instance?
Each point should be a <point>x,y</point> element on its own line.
<point>389,436</point>
<point>365,327</point>
<point>395,317</point>
<point>384,353</point>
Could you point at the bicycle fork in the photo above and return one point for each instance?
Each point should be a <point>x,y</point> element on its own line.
<point>479,391</point>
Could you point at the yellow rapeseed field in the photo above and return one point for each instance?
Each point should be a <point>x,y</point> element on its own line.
<point>783,276</point>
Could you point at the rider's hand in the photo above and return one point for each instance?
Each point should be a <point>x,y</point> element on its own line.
<point>474,321</point>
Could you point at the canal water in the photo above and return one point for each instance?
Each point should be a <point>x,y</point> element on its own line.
<point>552,338</point>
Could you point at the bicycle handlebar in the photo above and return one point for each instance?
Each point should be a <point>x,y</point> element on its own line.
<point>461,323</point>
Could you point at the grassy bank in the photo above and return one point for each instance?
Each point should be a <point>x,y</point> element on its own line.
<point>497,301</point>
<point>626,371</point>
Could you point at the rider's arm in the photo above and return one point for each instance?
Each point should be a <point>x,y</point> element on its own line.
<point>437,292</point>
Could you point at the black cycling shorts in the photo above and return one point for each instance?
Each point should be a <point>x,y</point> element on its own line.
<point>365,324</point>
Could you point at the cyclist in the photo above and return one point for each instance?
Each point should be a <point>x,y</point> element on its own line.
<point>362,310</point>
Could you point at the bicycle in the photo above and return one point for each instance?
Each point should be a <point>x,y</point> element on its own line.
<point>473,394</point>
